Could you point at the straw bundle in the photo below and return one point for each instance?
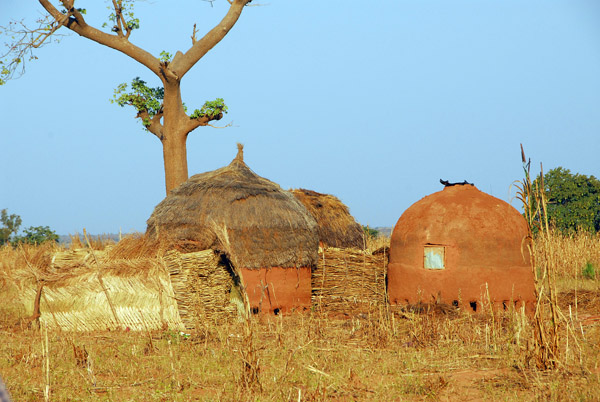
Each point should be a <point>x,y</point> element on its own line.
<point>347,280</point>
<point>203,286</point>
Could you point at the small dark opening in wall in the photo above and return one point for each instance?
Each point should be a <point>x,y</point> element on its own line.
<point>505,305</point>
<point>473,305</point>
<point>254,310</point>
<point>455,303</point>
<point>276,311</point>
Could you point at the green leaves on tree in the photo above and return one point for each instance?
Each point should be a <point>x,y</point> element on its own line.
<point>37,235</point>
<point>125,16</point>
<point>10,226</point>
<point>81,10</point>
<point>141,97</point>
<point>148,102</point>
<point>32,235</point>
<point>573,200</point>
<point>210,109</point>
<point>165,57</point>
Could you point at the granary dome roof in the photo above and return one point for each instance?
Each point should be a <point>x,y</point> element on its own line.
<point>233,210</point>
<point>336,227</point>
<point>486,230</point>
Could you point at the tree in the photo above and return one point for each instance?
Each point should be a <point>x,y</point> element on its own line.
<point>37,235</point>
<point>10,226</point>
<point>573,200</point>
<point>161,110</point>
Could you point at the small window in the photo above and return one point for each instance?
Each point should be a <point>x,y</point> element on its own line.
<point>434,257</point>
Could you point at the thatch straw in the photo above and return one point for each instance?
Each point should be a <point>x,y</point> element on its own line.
<point>79,256</point>
<point>86,290</point>
<point>264,225</point>
<point>134,294</point>
<point>203,286</point>
<point>139,246</point>
<point>336,227</point>
<point>346,280</point>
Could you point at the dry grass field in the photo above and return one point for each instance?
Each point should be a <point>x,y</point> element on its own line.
<point>415,354</point>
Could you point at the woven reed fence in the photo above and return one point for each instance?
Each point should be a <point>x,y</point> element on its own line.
<point>348,280</point>
<point>83,291</point>
<point>87,290</point>
<point>204,287</point>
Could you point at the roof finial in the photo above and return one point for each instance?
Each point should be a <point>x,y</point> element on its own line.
<point>240,154</point>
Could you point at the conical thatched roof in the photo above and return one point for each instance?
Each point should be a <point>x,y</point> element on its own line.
<point>235,211</point>
<point>337,228</point>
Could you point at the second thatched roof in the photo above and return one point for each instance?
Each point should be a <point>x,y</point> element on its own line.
<point>235,211</point>
<point>337,228</point>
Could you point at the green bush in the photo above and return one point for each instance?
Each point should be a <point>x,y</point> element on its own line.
<point>589,271</point>
<point>370,232</point>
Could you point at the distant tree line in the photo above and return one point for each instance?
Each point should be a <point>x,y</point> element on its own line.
<point>9,227</point>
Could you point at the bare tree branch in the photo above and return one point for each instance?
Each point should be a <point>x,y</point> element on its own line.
<point>225,126</point>
<point>20,51</point>
<point>194,35</point>
<point>182,64</point>
<point>119,19</point>
<point>77,24</point>
<point>193,124</point>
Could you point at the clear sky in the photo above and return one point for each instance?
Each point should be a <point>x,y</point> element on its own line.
<point>372,102</point>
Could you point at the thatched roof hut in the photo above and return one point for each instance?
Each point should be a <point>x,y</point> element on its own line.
<point>336,227</point>
<point>259,227</point>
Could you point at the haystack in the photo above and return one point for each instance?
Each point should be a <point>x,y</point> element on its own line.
<point>265,233</point>
<point>337,228</point>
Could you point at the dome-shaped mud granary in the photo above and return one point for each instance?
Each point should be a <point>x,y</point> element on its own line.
<point>266,234</point>
<point>336,227</point>
<point>463,247</point>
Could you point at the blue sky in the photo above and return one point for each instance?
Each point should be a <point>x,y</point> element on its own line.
<point>373,102</point>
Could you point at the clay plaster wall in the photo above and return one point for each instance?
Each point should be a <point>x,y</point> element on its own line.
<point>481,242</point>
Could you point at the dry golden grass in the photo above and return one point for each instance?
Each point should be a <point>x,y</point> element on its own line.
<point>375,355</point>
<point>571,253</point>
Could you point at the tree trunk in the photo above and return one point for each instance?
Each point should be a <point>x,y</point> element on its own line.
<point>175,159</point>
<point>174,136</point>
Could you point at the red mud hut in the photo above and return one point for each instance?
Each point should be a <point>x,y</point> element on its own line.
<point>336,227</point>
<point>463,247</point>
<point>266,234</point>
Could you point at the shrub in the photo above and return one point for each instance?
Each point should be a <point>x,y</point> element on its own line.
<point>589,271</point>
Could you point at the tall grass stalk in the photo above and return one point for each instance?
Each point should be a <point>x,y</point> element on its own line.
<point>248,351</point>
<point>547,318</point>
